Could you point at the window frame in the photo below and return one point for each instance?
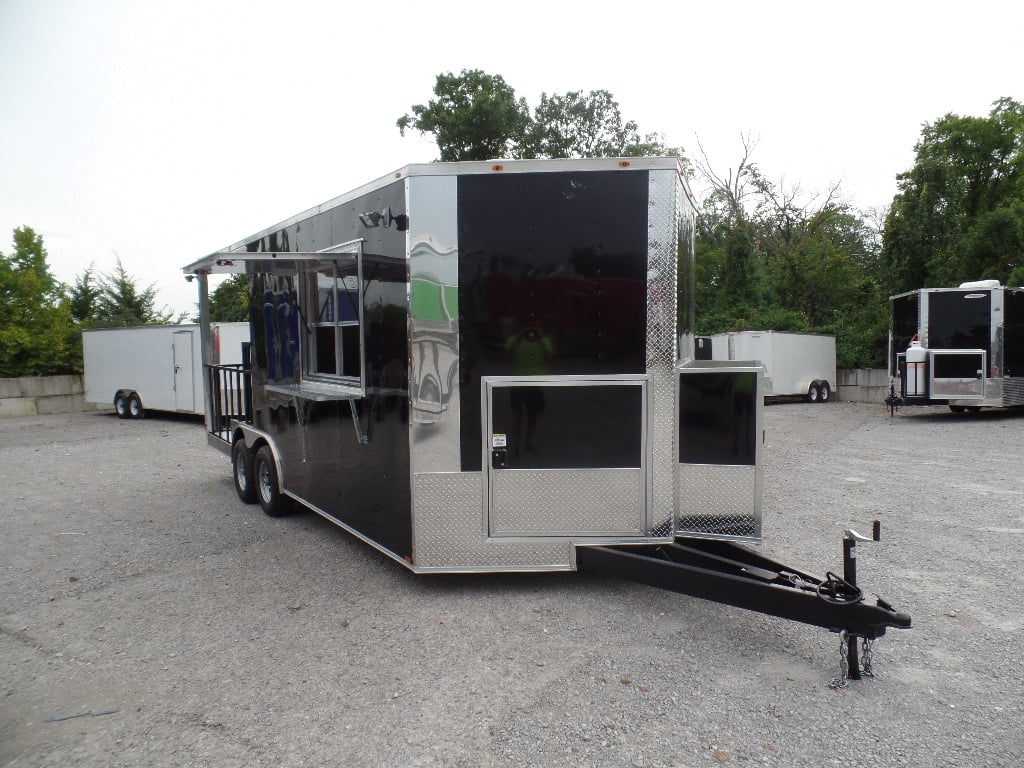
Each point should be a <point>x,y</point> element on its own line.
<point>331,261</point>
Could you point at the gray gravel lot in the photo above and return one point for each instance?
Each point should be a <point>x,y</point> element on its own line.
<point>149,618</point>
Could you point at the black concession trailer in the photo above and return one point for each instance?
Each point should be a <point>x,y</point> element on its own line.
<point>474,367</point>
<point>962,347</point>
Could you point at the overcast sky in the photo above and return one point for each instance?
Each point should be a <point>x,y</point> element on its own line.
<point>159,132</point>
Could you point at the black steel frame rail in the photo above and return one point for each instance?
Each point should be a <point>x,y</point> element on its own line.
<point>728,573</point>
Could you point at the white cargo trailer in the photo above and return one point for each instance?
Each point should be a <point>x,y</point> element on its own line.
<point>795,364</point>
<point>155,367</point>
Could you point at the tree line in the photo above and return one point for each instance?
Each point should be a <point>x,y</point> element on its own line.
<point>42,319</point>
<point>768,256</point>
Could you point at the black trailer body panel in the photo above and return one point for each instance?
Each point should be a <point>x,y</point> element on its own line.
<point>552,280</point>
<point>364,485</point>
<point>960,319</point>
<point>1013,333</point>
<point>905,322</point>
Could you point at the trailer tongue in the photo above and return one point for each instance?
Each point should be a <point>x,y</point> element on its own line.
<point>729,573</point>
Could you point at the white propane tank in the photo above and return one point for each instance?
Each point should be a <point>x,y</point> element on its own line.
<point>917,356</point>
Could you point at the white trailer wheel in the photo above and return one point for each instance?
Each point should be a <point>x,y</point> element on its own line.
<point>121,406</point>
<point>812,393</point>
<point>135,409</point>
<point>824,392</point>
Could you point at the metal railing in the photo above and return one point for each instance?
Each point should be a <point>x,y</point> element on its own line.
<point>230,388</point>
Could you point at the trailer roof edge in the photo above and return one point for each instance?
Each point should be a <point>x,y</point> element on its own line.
<point>478,167</point>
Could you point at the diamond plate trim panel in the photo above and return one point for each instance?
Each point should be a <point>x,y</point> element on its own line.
<point>448,530</point>
<point>565,502</point>
<point>719,501</point>
<point>664,201</point>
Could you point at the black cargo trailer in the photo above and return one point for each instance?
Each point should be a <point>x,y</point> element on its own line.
<point>474,367</point>
<point>962,347</point>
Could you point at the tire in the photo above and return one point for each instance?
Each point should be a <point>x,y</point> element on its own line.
<point>268,490</point>
<point>241,472</point>
<point>812,393</point>
<point>974,409</point>
<point>121,406</point>
<point>824,392</point>
<point>957,408</point>
<point>135,409</point>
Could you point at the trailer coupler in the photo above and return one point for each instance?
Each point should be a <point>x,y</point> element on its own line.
<point>729,573</point>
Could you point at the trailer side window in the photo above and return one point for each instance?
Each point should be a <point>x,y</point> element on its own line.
<point>332,305</point>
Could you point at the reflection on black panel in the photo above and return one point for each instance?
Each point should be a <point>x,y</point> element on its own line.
<point>552,280</point>
<point>718,418</point>
<point>904,324</point>
<point>1013,332</point>
<point>963,366</point>
<point>569,427</point>
<point>960,320</point>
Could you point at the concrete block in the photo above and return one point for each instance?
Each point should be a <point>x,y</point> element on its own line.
<point>17,406</point>
<point>46,386</point>
<point>62,404</point>
<point>10,388</point>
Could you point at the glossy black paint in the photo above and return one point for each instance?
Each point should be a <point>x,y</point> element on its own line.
<point>1013,332</point>
<point>718,417</point>
<point>903,324</point>
<point>560,256</point>
<point>364,485</point>
<point>960,320</point>
<point>569,427</point>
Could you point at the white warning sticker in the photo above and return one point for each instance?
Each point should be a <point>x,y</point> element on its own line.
<point>498,441</point>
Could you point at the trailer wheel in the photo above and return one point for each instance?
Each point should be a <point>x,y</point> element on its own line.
<point>121,406</point>
<point>824,392</point>
<point>812,393</point>
<point>957,408</point>
<point>135,409</point>
<point>241,471</point>
<point>268,491</point>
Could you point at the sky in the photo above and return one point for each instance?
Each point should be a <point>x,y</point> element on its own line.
<point>159,132</point>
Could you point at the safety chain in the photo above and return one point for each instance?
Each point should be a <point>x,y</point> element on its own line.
<point>844,663</point>
<point>865,655</point>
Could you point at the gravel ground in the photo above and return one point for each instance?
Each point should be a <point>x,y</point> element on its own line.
<point>149,618</point>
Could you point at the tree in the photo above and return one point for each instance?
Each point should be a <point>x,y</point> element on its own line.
<point>121,302</point>
<point>35,317</point>
<point>475,116</point>
<point>959,212</point>
<point>771,257</point>
<point>83,296</point>
<point>229,302</point>
<point>585,125</point>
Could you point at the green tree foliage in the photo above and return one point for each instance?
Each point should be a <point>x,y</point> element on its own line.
<point>769,258</point>
<point>475,116</point>
<point>121,302</point>
<point>959,212</point>
<point>83,296</point>
<point>229,302</point>
<point>36,332</point>
<point>585,125</point>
